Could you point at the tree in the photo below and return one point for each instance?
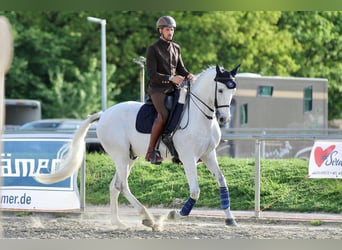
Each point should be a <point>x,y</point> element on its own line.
<point>57,53</point>
<point>47,64</point>
<point>319,35</point>
<point>83,95</point>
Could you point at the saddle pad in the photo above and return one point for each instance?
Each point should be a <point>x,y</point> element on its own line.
<point>145,118</point>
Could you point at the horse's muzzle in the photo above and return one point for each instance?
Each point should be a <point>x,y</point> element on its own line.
<point>222,119</point>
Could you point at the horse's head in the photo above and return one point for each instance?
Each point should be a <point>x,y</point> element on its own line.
<point>224,92</point>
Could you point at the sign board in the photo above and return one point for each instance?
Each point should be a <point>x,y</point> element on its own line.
<point>21,160</point>
<point>326,160</point>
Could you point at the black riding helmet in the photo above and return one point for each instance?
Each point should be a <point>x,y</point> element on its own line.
<point>165,21</point>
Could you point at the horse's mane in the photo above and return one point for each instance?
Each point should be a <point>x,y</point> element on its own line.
<point>199,75</point>
<point>206,69</point>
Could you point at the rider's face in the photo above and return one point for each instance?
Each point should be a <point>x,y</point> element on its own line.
<point>167,33</point>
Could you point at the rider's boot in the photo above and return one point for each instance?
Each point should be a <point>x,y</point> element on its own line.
<point>152,154</point>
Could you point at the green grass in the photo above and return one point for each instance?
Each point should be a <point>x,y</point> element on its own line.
<point>315,223</point>
<point>284,186</point>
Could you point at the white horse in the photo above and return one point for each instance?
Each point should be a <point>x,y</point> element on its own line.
<point>197,138</point>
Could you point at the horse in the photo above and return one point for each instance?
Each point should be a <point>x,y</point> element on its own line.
<point>196,139</point>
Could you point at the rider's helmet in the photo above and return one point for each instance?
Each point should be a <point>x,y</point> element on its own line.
<point>165,21</point>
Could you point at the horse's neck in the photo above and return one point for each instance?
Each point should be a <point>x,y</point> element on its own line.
<point>202,91</point>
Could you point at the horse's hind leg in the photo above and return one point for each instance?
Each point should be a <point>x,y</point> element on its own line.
<point>114,190</point>
<point>120,184</point>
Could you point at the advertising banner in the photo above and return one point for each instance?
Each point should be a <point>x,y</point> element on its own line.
<point>326,160</point>
<point>21,160</point>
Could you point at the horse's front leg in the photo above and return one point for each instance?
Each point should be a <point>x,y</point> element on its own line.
<point>212,164</point>
<point>190,169</point>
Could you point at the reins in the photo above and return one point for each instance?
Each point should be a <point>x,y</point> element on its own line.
<point>206,105</point>
<point>193,97</point>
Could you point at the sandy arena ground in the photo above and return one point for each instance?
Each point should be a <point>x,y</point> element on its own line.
<point>94,223</point>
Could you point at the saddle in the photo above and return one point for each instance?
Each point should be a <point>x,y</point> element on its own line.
<point>175,103</point>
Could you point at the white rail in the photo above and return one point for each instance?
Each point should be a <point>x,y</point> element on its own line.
<point>260,135</point>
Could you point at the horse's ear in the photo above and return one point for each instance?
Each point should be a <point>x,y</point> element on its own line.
<point>218,70</point>
<point>235,70</point>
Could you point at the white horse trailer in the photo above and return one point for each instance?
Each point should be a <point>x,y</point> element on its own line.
<point>272,103</point>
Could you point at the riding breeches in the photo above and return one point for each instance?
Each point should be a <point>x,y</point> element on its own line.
<point>158,100</point>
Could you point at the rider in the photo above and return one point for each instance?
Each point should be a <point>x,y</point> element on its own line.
<point>166,71</point>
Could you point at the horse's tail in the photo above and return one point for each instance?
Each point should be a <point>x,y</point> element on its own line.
<point>70,156</point>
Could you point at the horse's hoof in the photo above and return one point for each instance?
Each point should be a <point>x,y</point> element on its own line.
<point>175,215</point>
<point>147,223</point>
<point>231,222</point>
<point>150,223</point>
<point>172,215</point>
<point>156,228</point>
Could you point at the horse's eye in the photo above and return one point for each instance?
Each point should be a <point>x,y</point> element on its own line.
<point>220,91</point>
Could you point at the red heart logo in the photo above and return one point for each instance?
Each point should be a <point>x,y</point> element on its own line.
<point>321,155</point>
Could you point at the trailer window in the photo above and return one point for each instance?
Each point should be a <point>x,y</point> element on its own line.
<point>264,90</point>
<point>244,114</point>
<point>308,99</point>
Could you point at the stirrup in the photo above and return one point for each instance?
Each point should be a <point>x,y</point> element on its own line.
<point>154,157</point>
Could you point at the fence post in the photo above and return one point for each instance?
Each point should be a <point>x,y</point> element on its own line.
<point>263,146</point>
<point>257,179</point>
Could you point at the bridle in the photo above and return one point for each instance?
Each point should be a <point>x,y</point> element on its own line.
<point>230,84</point>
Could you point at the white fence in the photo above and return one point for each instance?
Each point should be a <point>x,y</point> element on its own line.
<point>259,137</point>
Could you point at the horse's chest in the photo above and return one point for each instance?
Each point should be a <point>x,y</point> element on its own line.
<point>204,137</point>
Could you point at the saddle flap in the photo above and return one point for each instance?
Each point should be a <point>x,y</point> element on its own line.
<point>169,101</point>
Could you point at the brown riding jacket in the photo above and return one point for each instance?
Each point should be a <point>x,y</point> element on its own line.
<point>162,61</point>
